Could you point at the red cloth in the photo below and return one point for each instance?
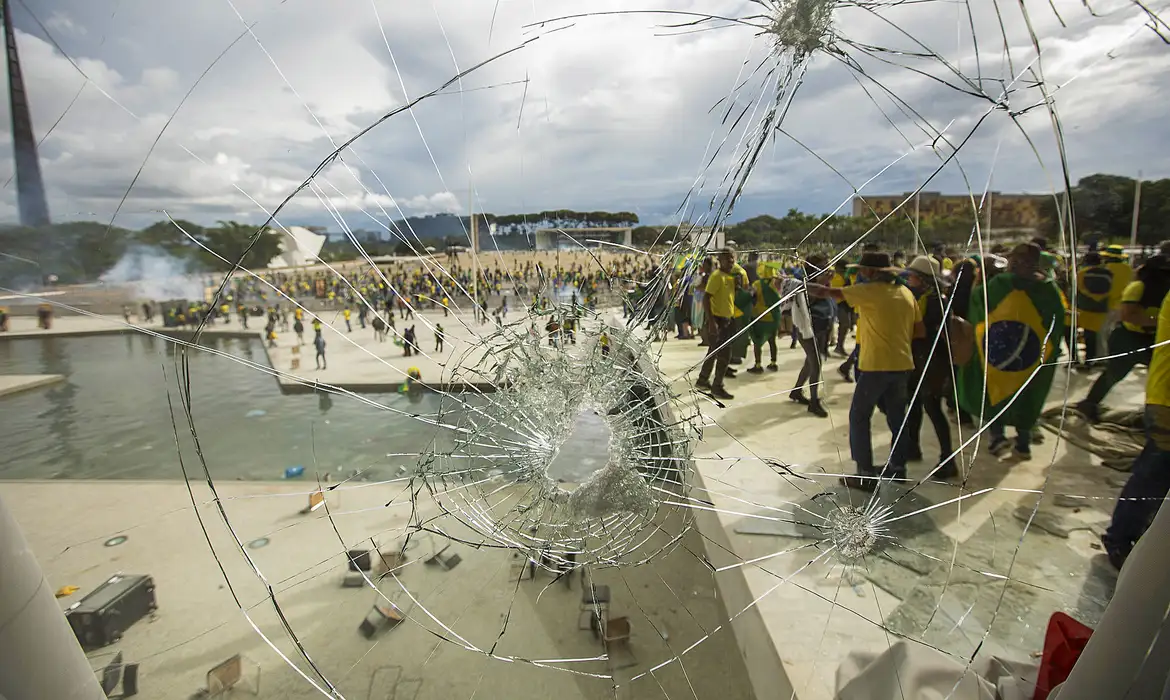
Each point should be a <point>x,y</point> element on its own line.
<point>1063,643</point>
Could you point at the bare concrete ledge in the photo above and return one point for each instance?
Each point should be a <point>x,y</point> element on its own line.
<point>16,383</point>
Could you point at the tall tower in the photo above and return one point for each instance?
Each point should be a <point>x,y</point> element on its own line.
<point>30,189</point>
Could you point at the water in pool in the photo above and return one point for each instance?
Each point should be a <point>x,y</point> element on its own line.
<point>110,419</point>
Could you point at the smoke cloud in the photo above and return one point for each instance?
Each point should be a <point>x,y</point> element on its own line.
<point>155,274</point>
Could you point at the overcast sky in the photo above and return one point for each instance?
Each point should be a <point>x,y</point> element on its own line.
<point>613,112</point>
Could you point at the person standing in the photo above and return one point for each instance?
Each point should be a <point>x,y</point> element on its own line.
<point>763,324</point>
<point>299,329</point>
<point>719,309</point>
<point>439,337</point>
<point>1149,479</point>
<point>888,321</point>
<point>319,344</point>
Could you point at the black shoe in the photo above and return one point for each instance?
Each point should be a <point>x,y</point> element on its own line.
<point>720,393</point>
<point>798,396</point>
<point>815,408</point>
<point>843,370</point>
<point>1117,555</point>
<point>999,447</point>
<point>772,367</point>
<point>702,384</point>
<point>947,471</point>
<point>1091,411</point>
<point>861,482</point>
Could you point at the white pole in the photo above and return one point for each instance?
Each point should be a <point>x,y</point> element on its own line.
<point>40,654</point>
<point>917,214</point>
<point>1137,202</point>
<point>474,253</point>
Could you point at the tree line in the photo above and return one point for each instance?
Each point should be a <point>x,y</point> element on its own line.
<point>82,251</point>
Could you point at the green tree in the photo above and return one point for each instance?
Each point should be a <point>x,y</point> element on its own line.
<point>242,244</point>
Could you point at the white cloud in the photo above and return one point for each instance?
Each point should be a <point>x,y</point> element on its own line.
<point>59,21</point>
<point>614,112</point>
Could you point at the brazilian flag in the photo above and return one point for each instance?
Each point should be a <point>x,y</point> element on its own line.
<point>1018,331</point>
<point>1093,286</point>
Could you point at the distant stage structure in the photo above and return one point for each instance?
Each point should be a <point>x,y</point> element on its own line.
<point>552,238</point>
<point>30,188</point>
<point>298,246</point>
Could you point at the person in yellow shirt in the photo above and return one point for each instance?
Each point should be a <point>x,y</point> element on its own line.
<point>1149,480</point>
<point>719,308</point>
<point>889,320</point>
<point>1094,281</point>
<point>1129,343</point>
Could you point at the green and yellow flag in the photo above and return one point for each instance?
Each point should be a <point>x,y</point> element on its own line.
<point>1017,338</point>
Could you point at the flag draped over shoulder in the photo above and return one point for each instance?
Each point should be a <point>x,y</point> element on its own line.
<point>1017,338</point>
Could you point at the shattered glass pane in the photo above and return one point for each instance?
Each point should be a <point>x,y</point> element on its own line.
<point>501,472</point>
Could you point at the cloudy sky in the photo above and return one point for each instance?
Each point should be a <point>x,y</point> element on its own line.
<point>221,109</point>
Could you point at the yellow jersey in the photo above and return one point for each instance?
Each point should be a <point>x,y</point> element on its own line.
<point>1158,379</point>
<point>885,329</point>
<point>1133,295</point>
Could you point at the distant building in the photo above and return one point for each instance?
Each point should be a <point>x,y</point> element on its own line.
<point>1008,211</point>
<point>553,238</point>
<point>705,236</point>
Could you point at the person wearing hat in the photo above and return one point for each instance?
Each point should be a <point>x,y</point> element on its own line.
<point>1130,342</point>
<point>889,321</point>
<point>932,367</point>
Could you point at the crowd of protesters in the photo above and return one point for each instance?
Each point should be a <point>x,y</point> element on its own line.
<point>980,337</point>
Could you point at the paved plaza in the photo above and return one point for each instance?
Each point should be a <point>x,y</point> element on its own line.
<point>961,576</point>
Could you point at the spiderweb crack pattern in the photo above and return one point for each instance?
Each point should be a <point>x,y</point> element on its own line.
<point>674,456</point>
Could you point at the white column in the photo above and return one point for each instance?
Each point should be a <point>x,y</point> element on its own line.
<point>39,654</point>
<point>1118,661</point>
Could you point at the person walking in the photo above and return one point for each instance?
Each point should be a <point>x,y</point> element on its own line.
<point>1094,281</point>
<point>1149,479</point>
<point>719,309</point>
<point>1017,335</point>
<point>319,344</point>
<point>1130,341</point>
<point>931,380</point>
<point>888,321</point>
<point>808,338</point>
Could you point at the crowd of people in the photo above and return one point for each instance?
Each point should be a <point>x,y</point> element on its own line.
<point>981,336</point>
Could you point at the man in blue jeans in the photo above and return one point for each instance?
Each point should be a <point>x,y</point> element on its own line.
<point>889,320</point>
<point>1149,482</point>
